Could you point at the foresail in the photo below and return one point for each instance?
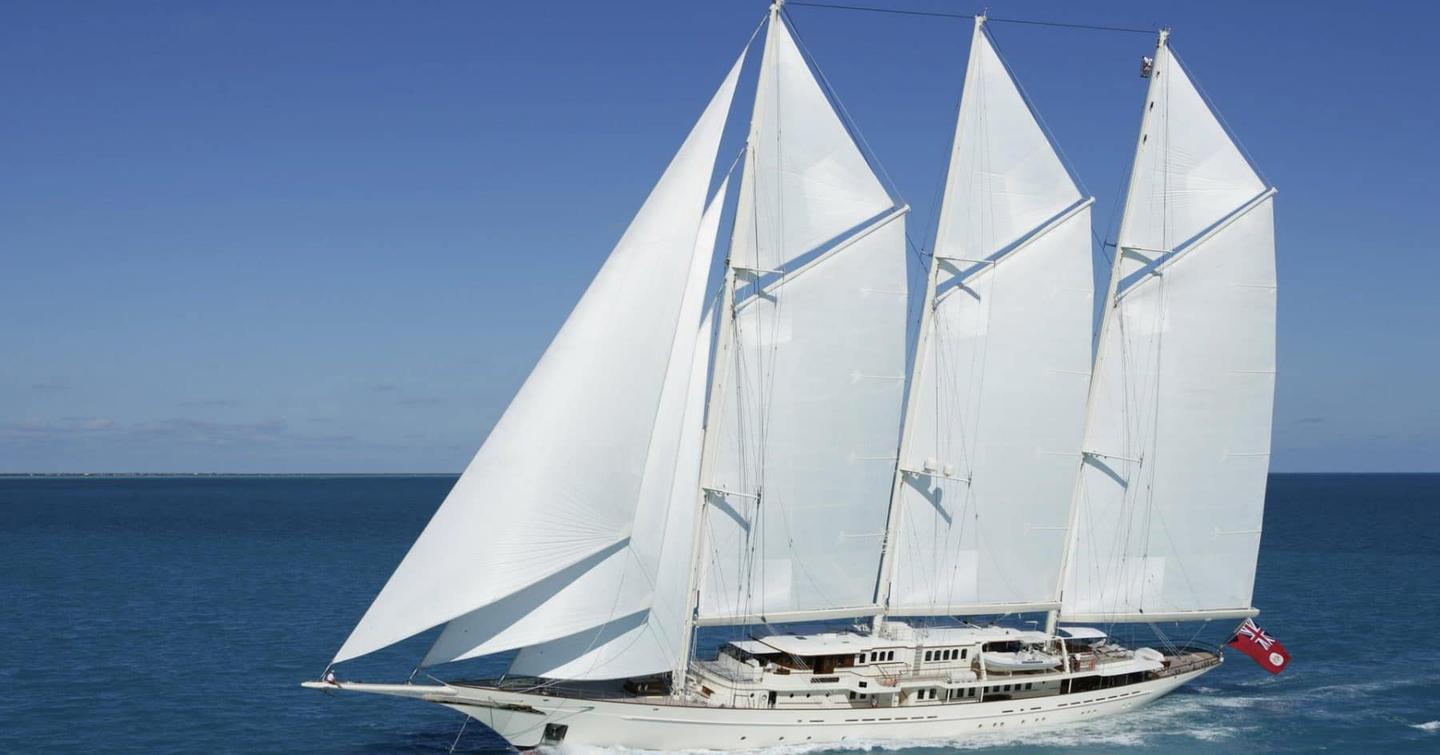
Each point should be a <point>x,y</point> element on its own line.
<point>998,396</point>
<point>1171,495</point>
<point>554,489</point>
<point>650,642</point>
<point>595,601</point>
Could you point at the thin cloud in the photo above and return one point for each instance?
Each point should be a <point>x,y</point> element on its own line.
<point>211,403</point>
<point>50,385</point>
<point>420,401</point>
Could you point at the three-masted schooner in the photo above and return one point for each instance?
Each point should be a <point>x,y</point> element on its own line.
<point>682,458</point>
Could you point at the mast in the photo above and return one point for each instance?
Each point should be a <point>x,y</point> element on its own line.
<point>1107,314</point>
<point>724,337</point>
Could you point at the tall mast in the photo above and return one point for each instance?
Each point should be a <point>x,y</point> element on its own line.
<point>1107,314</point>
<point>723,340</point>
<point>922,339</point>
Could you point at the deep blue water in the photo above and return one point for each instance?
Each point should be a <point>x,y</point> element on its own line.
<point>178,615</point>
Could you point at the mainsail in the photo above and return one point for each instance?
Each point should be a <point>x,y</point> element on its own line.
<point>1168,508</point>
<point>556,487</point>
<point>997,401</point>
<point>805,412</point>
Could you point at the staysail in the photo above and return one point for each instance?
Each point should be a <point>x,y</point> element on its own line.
<point>620,588</point>
<point>1169,504</point>
<point>805,412</point>
<point>553,492</point>
<point>622,649</point>
<point>997,401</point>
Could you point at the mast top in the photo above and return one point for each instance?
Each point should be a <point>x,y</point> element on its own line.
<point>1164,36</point>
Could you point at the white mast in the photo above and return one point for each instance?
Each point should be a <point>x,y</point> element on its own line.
<point>721,373</point>
<point>1106,316</point>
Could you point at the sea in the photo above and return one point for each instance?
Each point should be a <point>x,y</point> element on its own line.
<point>180,614</point>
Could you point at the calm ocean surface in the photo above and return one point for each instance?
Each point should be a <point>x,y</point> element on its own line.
<point>160,615</point>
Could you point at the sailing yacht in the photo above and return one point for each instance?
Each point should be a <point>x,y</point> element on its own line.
<point>766,450</point>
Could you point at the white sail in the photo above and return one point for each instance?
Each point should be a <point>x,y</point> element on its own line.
<point>1170,499</point>
<point>998,398</point>
<point>622,584</point>
<point>553,491</point>
<point>807,416</point>
<point>628,648</point>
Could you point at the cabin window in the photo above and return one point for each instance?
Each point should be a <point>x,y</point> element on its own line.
<point>962,654</point>
<point>927,655</point>
<point>1029,685</point>
<point>860,658</point>
<point>890,656</point>
<point>863,685</point>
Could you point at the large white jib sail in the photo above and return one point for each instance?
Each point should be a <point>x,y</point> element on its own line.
<point>592,438</point>
<point>997,400</point>
<point>1169,505</point>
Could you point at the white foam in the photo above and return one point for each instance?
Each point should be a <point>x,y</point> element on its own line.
<point>1429,726</point>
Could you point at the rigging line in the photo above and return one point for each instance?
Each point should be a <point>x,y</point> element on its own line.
<point>934,14</point>
<point>895,11</point>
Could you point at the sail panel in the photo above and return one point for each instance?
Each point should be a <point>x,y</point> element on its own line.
<point>807,427</point>
<point>558,479</point>
<point>623,584</point>
<point>995,432</point>
<point>1172,492</point>
<point>1005,178</point>
<point>811,183</point>
<point>1188,173</point>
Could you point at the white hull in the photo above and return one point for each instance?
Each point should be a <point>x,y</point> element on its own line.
<point>522,718</point>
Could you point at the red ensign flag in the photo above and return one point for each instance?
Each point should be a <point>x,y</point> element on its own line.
<point>1261,647</point>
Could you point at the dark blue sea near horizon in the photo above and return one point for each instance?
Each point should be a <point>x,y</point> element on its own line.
<point>158,615</point>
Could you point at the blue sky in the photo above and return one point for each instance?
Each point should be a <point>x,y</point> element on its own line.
<point>249,237</point>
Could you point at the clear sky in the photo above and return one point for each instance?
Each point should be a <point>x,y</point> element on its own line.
<point>263,236</point>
